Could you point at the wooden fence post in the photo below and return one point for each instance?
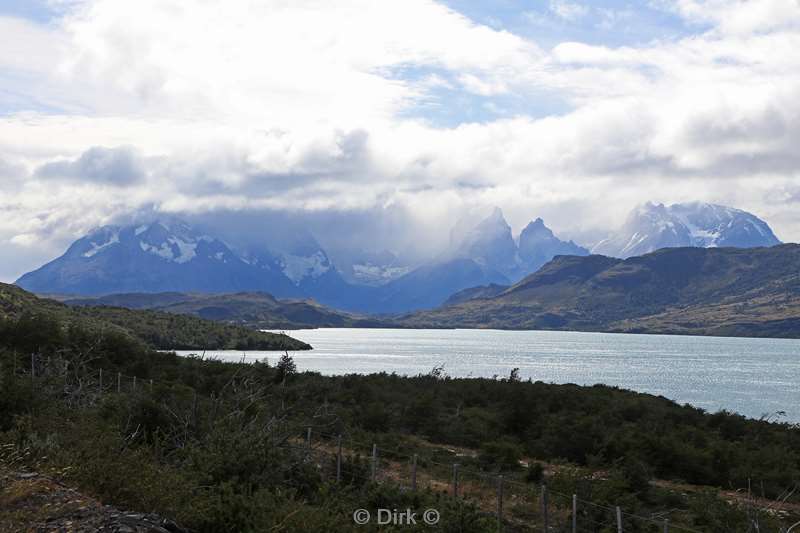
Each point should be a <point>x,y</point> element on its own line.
<point>545,519</point>
<point>619,520</point>
<point>455,480</point>
<point>574,513</point>
<point>194,410</point>
<point>134,383</point>
<point>374,461</point>
<point>499,502</point>
<point>666,525</point>
<point>414,473</point>
<point>308,439</point>
<point>151,386</point>
<point>101,381</point>
<point>339,461</point>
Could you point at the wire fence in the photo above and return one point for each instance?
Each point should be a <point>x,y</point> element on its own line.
<point>345,460</point>
<point>510,502</point>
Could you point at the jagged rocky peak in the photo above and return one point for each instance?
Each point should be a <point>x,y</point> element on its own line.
<point>477,222</point>
<point>651,226</point>
<point>536,231</point>
<point>496,218</point>
<point>538,245</point>
<point>491,228</point>
<point>491,244</point>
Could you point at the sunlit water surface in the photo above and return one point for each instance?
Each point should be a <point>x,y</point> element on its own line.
<point>750,376</point>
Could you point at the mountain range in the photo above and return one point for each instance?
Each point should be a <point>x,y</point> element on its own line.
<point>708,291</point>
<point>169,255</point>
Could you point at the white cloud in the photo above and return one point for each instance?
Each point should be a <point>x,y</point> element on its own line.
<point>28,46</point>
<point>740,16</point>
<point>314,62</point>
<point>304,105</point>
<point>115,166</point>
<point>567,10</point>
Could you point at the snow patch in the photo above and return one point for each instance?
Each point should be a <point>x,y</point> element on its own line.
<point>376,273</point>
<point>297,268</point>
<point>97,248</point>
<point>634,241</point>
<point>173,249</point>
<point>187,250</point>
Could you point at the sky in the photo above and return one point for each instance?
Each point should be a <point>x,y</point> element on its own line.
<point>381,123</point>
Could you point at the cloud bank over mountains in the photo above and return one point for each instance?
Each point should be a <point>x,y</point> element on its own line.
<point>391,120</point>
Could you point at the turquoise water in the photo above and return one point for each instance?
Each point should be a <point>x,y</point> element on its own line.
<point>750,376</point>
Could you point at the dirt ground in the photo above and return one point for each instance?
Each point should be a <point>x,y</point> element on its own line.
<point>30,502</point>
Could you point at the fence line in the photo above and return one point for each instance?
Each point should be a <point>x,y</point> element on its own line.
<point>573,499</point>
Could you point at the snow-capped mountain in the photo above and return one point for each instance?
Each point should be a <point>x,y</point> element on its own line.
<point>653,226</point>
<point>160,256</point>
<point>305,263</point>
<point>171,256</point>
<point>296,253</point>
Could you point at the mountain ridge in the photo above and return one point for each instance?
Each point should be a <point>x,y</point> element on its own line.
<point>252,309</point>
<point>703,291</point>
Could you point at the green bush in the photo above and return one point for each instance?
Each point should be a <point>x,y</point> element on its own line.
<point>500,455</point>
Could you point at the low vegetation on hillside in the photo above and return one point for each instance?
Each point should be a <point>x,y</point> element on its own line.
<point>252,309</point>
<point>221,447</point>
<point>163,331</point>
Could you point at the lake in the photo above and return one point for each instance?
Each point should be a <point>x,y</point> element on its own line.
<point>750,376</point>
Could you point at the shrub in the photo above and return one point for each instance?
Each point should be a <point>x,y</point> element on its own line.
<point>500,455</point>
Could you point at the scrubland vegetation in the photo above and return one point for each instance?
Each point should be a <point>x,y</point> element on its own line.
<point>221,447</point>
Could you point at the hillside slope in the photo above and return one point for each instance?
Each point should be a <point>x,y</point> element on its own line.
<point>159,330</point>
<point>252,309</point>
<point>714,291</point>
